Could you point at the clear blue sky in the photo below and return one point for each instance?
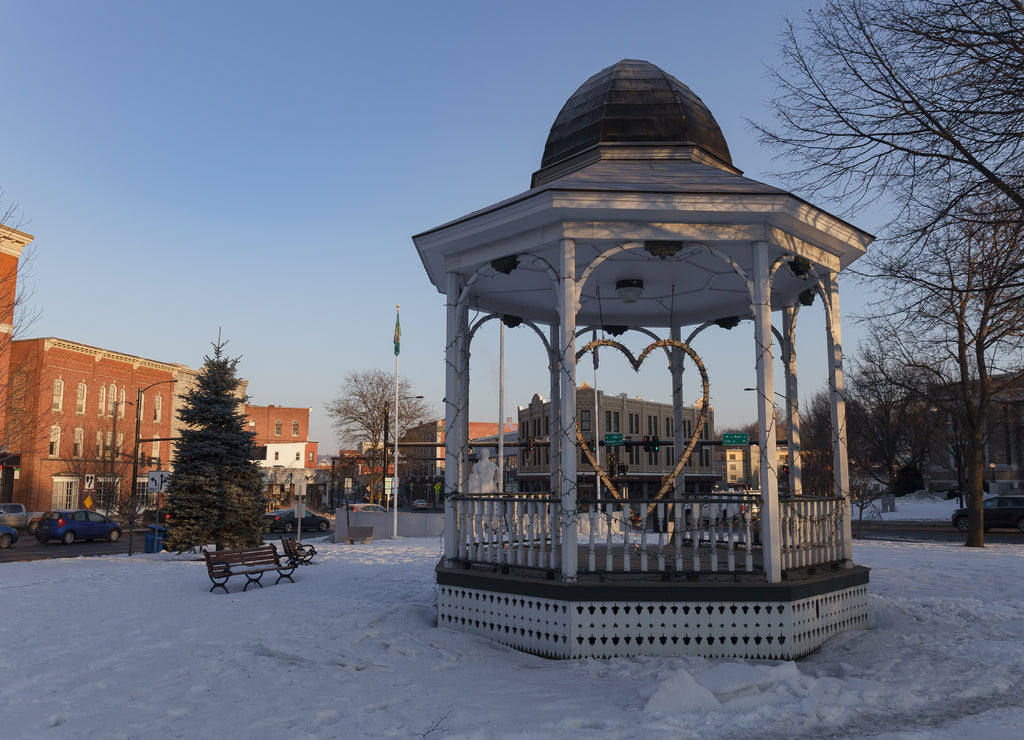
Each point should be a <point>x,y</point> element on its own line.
<point>259,168</point>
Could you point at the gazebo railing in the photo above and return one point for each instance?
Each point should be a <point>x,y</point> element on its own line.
<point>811,530</point>
<point>719,533</point>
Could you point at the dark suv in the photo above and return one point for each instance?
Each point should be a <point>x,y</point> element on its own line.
<point>1000,512</point>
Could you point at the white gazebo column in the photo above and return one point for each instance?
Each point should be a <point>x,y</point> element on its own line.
<point>770,529</point>
<point>554,409</point>
<point>792,399</point>
<point>455,328</point>
<point>837,388</point>
<point>567,307</point>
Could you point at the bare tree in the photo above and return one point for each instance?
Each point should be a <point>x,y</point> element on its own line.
<point>955,315</point>
<point>816,446</point>
<point>889,420</point>
<point>919,100</point>
<point>22,425</point>
<point>358,415</point>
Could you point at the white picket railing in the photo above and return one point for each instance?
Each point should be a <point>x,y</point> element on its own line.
<point>812,531</point>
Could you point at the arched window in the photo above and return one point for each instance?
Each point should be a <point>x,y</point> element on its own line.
<point>158,408</point>
<point>111,399</point>
<point>79,442</point>
<point>54,441</point>
<point>295,429</point>
<point>83,391</point>
<point>58,395</point>
<point>103,399</point>
<point>120,404</point>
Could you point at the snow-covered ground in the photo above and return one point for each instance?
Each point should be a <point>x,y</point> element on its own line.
<point>119,647</point>
<point>921,506</point>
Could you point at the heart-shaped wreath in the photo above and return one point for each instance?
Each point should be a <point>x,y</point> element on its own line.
<point>667,483</point>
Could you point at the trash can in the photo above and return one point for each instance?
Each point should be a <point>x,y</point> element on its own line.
<point>155,538</point>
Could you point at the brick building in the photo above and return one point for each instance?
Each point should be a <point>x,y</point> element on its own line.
<point>71,418</point>
<point>287,455</point>
<point>12,244</point>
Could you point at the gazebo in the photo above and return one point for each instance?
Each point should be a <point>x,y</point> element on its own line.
<point>637,225</point>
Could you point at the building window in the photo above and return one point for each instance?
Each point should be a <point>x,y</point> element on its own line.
<point>120,443</point>
<point>58,395</point>
<point>83,390</point>
<point>108,447</point>
<point>158,408</point>
<point>311,457</point>
<point>585,420</point>
<point>668,427</point>
<point>611,421</point>
<point>120,404</point>
<point>65,493</point>
<point>277,428</point>
<point>79,442</point>
<point>633,423</point>
<point>54,441</point>
<point>298,455</point>
<point>295,429</point>
<point>277,455</point>
<point>156,453</point>
<point>111,399</point>
<point>652,425</point>
<point>99,445</point>
<point>103,399</point>
<point>106,493</point>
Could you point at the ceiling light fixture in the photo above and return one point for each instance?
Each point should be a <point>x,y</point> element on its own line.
<point>630,289</point>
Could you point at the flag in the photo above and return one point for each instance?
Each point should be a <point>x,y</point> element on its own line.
<point>398,332</point>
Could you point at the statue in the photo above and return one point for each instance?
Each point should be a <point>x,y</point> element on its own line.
<point>483,478</point>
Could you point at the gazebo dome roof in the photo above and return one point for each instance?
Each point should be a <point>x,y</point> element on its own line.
<point>635,104</point>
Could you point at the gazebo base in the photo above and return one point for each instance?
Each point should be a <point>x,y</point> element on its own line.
<point>739,617</point>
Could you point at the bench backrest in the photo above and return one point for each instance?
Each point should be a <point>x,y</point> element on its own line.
<point>253,556</point>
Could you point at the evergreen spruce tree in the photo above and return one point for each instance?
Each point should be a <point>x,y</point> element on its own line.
<point>215,494</point>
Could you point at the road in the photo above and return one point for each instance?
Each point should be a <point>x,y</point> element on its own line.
<point>28,548</point>
<point>930,533</point>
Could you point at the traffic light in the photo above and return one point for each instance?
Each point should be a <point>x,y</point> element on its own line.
<point>647,443</point>
<point>656,443</point>
<point>613,463</point>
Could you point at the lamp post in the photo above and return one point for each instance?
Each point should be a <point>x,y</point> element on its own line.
<point>135,462</point>
<point>992,484</point>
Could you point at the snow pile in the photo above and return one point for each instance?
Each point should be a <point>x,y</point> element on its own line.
<point>119,647</point>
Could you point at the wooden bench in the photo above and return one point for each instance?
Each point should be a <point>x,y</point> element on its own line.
<point>251,562</point>
<point>296,552</point>
<point>363,535</point>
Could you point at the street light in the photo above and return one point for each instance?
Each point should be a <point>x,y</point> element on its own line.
<point>135,463</point>
<point>992,485</point>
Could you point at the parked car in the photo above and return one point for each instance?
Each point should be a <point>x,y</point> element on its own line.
<point>420,503</point>
<point>285,521</point>
<point>1002,512</point>
<point>366,507</point>
<point>78,524</point>
<point>17,516</point>
<point>8,536</point>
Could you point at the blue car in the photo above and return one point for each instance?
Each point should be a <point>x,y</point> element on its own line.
<point>8,536</point>
<point>80,524</point>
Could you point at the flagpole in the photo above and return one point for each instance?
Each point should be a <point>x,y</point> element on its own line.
<point>394,479</point>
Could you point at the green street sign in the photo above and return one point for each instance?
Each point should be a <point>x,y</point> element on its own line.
<point>736,439</point>
<point>613,439</point>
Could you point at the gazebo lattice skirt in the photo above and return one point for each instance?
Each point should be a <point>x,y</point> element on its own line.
<point>604,620</point>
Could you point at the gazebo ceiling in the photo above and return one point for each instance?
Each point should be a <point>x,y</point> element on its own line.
<point>634,194</point>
